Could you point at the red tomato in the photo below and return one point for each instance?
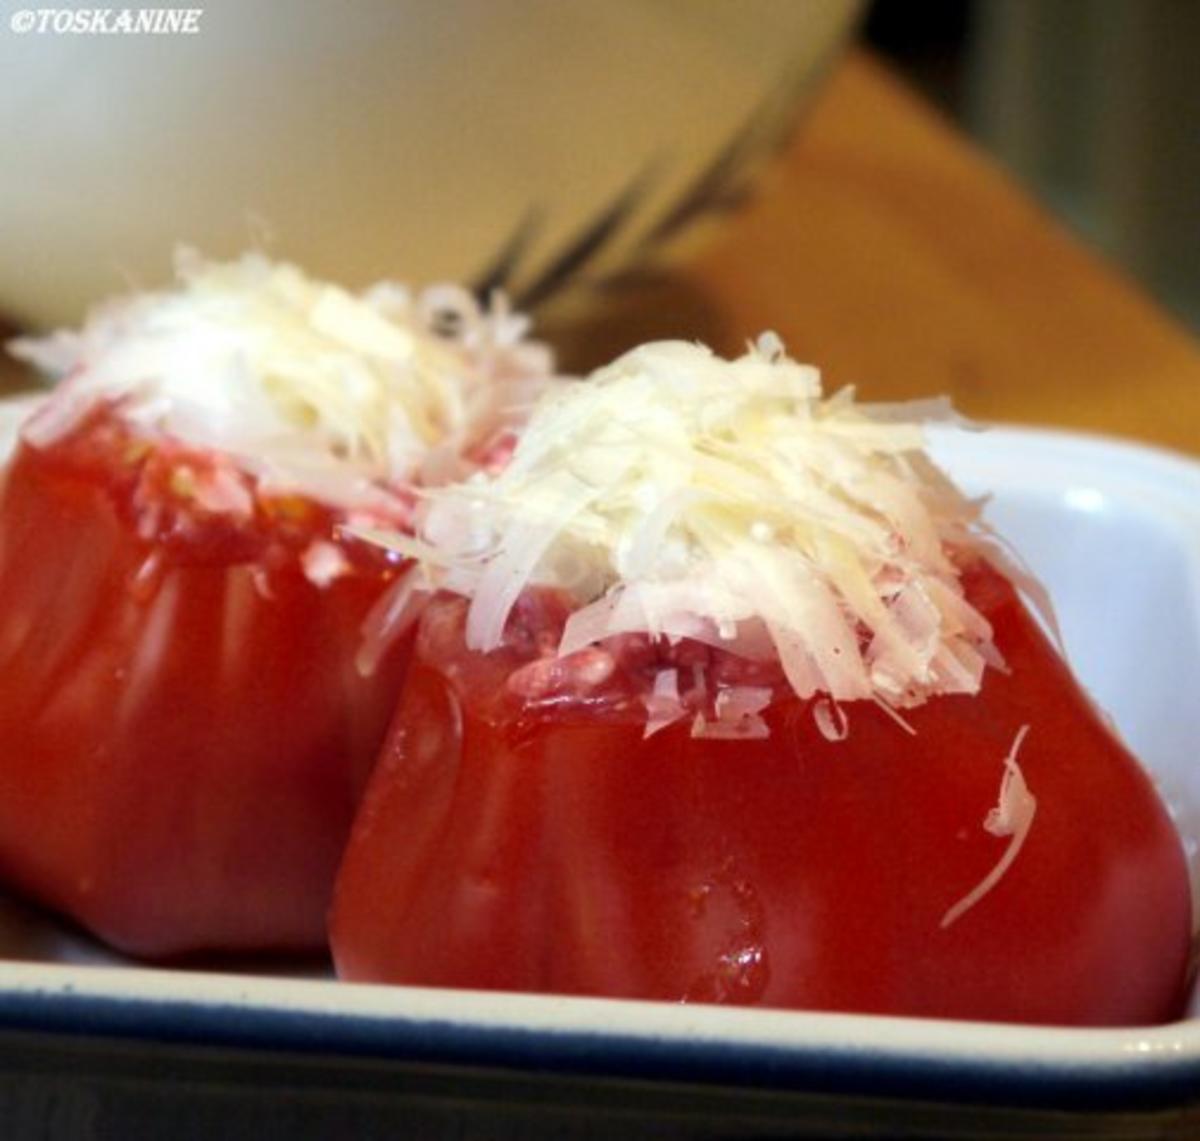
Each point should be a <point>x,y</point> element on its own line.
<point>547,846</point>
<point>183,732</point>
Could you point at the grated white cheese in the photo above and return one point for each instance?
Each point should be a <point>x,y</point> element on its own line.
<point>663,704</point>
<point>737,710</point>
<point>831,719</point>
<point>1012,817</point>
<point>310,388</point>
<point>394,612</point>
<point>323,562</point>
<point>683,495</point>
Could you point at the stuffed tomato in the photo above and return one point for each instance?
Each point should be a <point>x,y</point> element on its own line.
<point>197,658</point>
<point>723,701</point>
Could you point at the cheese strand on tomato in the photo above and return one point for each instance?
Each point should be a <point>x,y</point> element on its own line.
<point>310,388</point>
<point>685,496</point>
<point>1012,818</point>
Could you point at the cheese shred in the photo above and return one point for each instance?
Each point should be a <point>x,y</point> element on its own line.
<point>1012,817</point>
<point>311,389</point>
<point>677,494</point>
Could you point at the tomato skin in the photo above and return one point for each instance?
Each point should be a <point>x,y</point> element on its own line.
<point>183,740</point>
<point>556,853</point>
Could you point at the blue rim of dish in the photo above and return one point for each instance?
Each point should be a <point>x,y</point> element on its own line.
<point>803,1068</point>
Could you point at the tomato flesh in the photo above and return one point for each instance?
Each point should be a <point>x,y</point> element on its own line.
<point>546,845</point>
<point>183,733</point>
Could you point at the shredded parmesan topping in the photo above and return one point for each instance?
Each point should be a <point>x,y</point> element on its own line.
<point>1012,817</point>
<point>686,496</point>
<point>312,389</point>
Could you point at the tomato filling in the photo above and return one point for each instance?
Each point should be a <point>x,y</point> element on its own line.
<point>522,831</point>
<point>200,505</point>
<point>184,734</point>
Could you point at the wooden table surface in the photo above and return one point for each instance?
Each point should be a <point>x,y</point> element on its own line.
<point>888,250</point>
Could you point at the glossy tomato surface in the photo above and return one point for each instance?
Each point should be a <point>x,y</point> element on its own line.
<point>546,845</point>
<point>183,732</point>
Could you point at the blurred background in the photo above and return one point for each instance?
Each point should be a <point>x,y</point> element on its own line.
<point>1093,104</point>
<point>536,144</point>
<point>529,144</point>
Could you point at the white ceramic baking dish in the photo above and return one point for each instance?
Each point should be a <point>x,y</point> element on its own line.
<point>92,1046</point>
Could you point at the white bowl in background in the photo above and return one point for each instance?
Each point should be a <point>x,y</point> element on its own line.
<point>413,139</point>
